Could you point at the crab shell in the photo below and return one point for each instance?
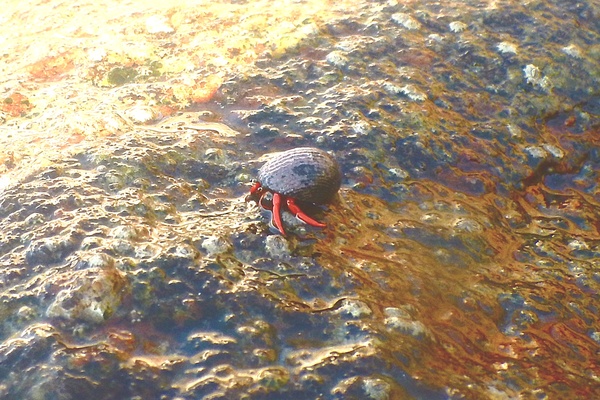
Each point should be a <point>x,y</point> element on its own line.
<point>305,174</point>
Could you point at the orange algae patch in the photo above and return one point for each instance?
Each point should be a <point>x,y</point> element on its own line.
<point>471,328</point>
<point>197,91</point>
<point>16,105</point>
<point>206,90</point>
<point>52,68</point>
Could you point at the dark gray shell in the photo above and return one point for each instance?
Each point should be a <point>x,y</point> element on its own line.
<point>305,174</point>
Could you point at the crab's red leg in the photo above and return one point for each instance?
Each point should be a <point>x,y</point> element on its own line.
<point>277,212</point>
<point>301,215</point>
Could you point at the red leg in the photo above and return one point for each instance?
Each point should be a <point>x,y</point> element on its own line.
<point>301,215</point>
<point>277,199</point>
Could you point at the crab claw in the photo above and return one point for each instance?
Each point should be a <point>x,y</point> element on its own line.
<point>277,198</point>
<point>293,207</point>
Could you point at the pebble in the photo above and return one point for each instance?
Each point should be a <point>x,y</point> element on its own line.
<point>507,48</point>
<point>467,225</point>
<point>572,50</point>
<point>35,219</point>
<point>142,115</point>
<point>406,20</point>
<point>401,320</point>
<point>533,76</point>
<point>457,26</point>
<point>215,245</point>
<point>125,232</point>
<point>377,389</point>
<point>26,313</point>
<point>337,59</point>
<point>92,296</point>
<point>277,246</point>
<point>355,308</point>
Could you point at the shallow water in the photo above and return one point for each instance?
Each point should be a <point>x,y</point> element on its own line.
<point>460,258</point>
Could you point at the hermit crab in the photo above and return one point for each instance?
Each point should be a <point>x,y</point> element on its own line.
<point>296,178</point>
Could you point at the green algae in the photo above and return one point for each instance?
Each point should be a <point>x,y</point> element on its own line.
<point>121,75</point>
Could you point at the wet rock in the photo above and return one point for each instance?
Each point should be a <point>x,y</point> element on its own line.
<point>50,250</point>
<point>93,295</point>
<point>34,344</point>
<point>199,340</point>
<point>203,169</point>
<point>363,388</point>
<point>413,93</point>
<point>433,121</point>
